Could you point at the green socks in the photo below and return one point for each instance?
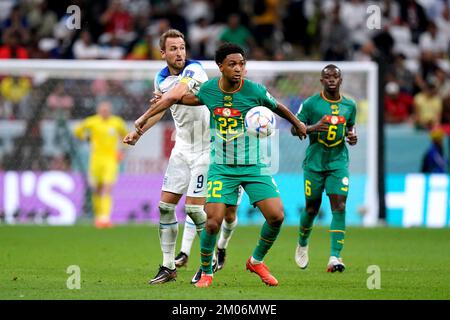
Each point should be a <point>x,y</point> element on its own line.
<point>267,237</point>
<point>207,244</point>
<point>306,224</point>
<point>337,232</point>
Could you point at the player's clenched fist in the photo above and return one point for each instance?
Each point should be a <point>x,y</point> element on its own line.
<point>131,138</point>
<point>352,138</point>
<point>139,124</point>
<point>322,125</point>
<point>300,131</point>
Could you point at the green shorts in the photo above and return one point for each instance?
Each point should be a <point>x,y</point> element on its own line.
<point>224,182</point>
<point>333,182</point>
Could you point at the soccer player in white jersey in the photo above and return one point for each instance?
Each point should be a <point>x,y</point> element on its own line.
<point>188,164</point>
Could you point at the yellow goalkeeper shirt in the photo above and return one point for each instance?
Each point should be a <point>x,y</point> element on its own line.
<point>104,135</point>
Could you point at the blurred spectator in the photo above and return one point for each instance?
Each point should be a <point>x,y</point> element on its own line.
<point>353,16</point>
<point>157,29</point>
<point>100,87</point>
<point>144,49</point>
<point>118,97</point>
<point>5,9</point>
<point>384,43</point>
<point>17,22</point>
<point>445,119</point>
<point>224,8</point>
<point>397,104</point>
<point>433,40</point>
<point>176,20</point>
<point>117,22</point>
<point>236,33</point>
<point>427,107</point>
<point>196,9</point>
<point>34,51</point>
<point>14,89</point>
<point>442,82</point>
<point>413,15</point>
<point>259,54</point>
<point>60,162</point>
<point>112,49</point>
<point>5,107</point>
<point>391,12</point>
<point>60,103</point>
<point>443,24</point>
<point>434,160</point>
<point>202,39</point>
<point>295,25</point>
<point>265,21</point>
<point>366,52</point>
<point>433,8</point>
<point>427,67</point>
<point>11,48</point>
<point>333,29</point>
<point>401,74</point>
<point>41,19</point>
<point>403,44</point>
<point>83,48</point>
<point>50,47</point>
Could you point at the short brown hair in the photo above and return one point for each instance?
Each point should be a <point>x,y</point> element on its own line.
<point>171,33</point>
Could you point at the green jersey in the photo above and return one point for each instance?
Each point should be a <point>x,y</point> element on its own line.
<point>230,145</point>
<point>327,150</point>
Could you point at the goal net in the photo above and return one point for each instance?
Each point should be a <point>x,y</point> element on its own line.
<point>43,168</point>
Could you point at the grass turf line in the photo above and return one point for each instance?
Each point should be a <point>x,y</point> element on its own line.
<point>117,263</point>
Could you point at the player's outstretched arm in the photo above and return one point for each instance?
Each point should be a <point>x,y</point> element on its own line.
<point>320,126</point>
<point>167,100</point>
<point>298,126</point>
<point>132,137</point>
<point>190,99</point>
<point>80,131</point>
<point>162,105</point>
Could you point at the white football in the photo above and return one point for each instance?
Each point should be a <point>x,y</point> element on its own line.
<point>260,121</point>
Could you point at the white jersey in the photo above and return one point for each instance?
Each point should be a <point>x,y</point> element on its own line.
<point>191,122</point>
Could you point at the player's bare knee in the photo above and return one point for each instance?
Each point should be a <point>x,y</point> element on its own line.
<point>311,211</point>
<point>312,208</point>
<point>230,215</point>
<point>340,207</point>
<point>213,226</point>
<point>277,219</point>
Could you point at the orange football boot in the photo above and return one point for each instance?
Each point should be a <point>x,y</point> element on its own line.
<point>205,281</point>
<point>263,272</point>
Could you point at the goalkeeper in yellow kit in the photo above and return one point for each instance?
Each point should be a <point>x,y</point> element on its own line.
<point>104,131</point>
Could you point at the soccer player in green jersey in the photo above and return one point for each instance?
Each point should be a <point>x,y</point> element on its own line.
<point>330,120</point>
<point>235,159</point>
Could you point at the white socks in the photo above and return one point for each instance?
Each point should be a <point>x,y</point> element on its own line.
<point>168,231</point>
<point>197,215</point>
<point>226,231</point>
<point>189,233</point>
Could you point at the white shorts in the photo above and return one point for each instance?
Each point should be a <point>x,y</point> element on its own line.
<point>187,174</point>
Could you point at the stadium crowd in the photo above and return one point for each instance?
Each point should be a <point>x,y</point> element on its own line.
<point>411,44</point>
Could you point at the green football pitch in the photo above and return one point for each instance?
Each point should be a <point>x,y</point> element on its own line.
<point>117,263</point>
